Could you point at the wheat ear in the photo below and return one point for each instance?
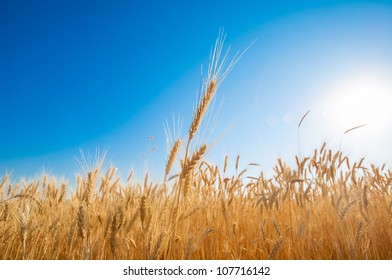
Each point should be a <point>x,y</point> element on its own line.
<point>172,157</point>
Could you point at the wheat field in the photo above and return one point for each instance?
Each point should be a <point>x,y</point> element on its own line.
<point>324,207</point>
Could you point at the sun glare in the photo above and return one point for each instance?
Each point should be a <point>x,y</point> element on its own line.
<point>363,100</point>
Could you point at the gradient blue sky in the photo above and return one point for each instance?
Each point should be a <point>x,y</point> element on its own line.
<point>86,74</point>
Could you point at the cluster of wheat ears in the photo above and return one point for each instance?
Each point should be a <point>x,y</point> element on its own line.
<point>323,208</point>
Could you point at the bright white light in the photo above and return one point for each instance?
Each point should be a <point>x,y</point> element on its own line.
<point>363,100</point>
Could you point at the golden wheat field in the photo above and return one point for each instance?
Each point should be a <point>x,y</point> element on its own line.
<point>324,207</point>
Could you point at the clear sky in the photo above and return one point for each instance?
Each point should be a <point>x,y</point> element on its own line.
<point>86,74</point>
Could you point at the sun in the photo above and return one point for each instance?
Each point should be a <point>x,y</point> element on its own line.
<point>364,100</point>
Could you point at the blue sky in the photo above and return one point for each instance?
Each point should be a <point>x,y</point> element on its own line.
<point>86,74</point>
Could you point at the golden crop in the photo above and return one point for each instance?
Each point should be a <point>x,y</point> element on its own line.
<point>325,207</point>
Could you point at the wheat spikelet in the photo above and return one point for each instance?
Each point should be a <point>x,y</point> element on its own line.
<point>3,183</point>
<point>86,251</point>
<point>156,251</point>
<point>148,220</point>
<point>188,214</point>
<point>133,243</point>
<point>365,200</point>
<point>190,247</point>
<point>306,193</point>
<point>302,119</point>
<point>89,186</point>
<point>113,228</point>
<point>189,166</point>
<point>202,108</point>
<point>145,213</point>
<point>23,226</point>
<point>63,192</point>
<point>338,201</point>
<point>234,228</point>
<point>70,238</point>
<point>237,162</point>
<point>107,225</point>
<point>131,222</point>
<point>187,182</point>
<point>5,212</point>
<point>143,208</point>
<point>345,210</point>
<point>225,164</point>
<point>275,248</point>
<point>364,216</point>
<point>172,157</point>
<point>81,221</point>
<point>130,176</point>
<point>353,128</point>
<point>358,231</point>
<point>121,217</point>
<point>44,182</point>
